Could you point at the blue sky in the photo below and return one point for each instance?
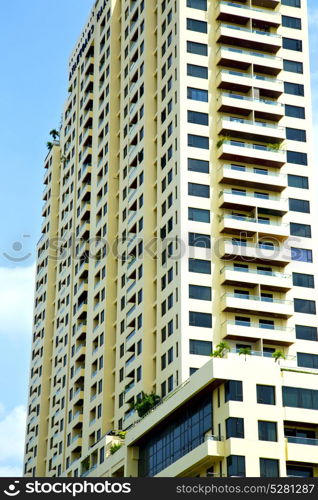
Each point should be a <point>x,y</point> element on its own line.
<point>38,39</point>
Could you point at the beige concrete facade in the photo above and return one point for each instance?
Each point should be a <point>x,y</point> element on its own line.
<point>178,214</point>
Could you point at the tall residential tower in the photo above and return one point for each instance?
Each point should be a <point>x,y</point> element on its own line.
<point>179,221</point>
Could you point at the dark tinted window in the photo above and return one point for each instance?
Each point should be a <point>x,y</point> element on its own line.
<point>291,22</point>
<point>305,306</point>
<point>296,397</point>
<point>198,214</point>
<point>294,134</point>
<point>202,320</point>
<point>301,254</point>
<point>307,360</point>
<point>201,166</point>
<point>198,118</point>
<point>298,181</point>
<point>234,427</point>
<point>200,266</point>
<point>265,394</point>
<point>197,71</point>
<point>292,3</point>
<point>302,230</point>
<point>233,390</point>
<point>201,190</point>
<point>197,94</point>
<point>267,431</point>
<point>197,48</point>
<point>306,333</point>
<point>200,347</point>
<point>303,280</point>
<point>296,205</point>
<point>294,111</point>
<point>198,141</point>
<point>269,467</point>
<point>235,466</point>
<point>199,26</point>
<point>297,158</point>
<point>199,292</point>
<point>293,66</point>
<point>292,44</point>
<point>294,88</point>
<point>199,240</point>
<point>197,4</point>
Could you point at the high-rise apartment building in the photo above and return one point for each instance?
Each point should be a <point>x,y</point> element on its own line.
<point>179,214</point>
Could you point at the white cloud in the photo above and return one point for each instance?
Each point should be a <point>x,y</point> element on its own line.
<point>16,298</point>
<point>12,436</point>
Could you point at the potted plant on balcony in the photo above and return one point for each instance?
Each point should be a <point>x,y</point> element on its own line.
<point>221,350</point>
<point>246,351</point>
<point>278,355</point>
<point>115,447</point>
<point>145,404</point>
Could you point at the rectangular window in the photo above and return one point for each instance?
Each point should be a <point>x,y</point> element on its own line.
<point>301,254</point>
<point>269,467</point>
<point>200,347</point>
<point>198,214</point>
<point>304,280</point>
<point>197,71</point>
<point>294,88</point>
<point>200,190</point>
<point>297,158</point>
<point>200,292</point>
<point>294,111</point>
<point>293,66</point>
<point>234,427</point>
<point>292,3</point>
<point>197,94</point>
<point>298,181</point>
<point>198,118</point>
<point>306,333</point>
<point>267,431</point>
<point>198,141</point>
<point>235,466</point>
<point>291,22</point>
<point>296,397</point>
<point>195,165</point>
<point>294,134</point>
<point>265,394</point>
<point>201,320</point>
<point>200,49</point>
<point>233,390</point>
<point>305,306</point>
<point>197,4</point>
<point>292,44</point>
<point>199,26</point>
<point>296,205</point>
<point>199,266</point>
<point>301,230</point>
<point>307,360</point>
<point>199,240</point>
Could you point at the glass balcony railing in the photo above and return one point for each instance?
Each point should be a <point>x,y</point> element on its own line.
<point>257,298</point>
<point>302,440</point>
<point>251,220</point>
<point>258,171</point>
<point>249,53</point>
<point>247,7</point>
<point>256,271</point>
<point>252,195</point>
<point>251,122</point>
<point>257,147</point>
<point>263,326</point>
<point>251,99</point>
<point>252,31</point>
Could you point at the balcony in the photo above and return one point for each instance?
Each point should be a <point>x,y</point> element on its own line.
<point>240,175</point>
<point>263,109</point>
<point>254,39</point>
<point>252,332</point>
<point>301,450</point>
<point>241,14</point>
<point>238,81</point>
<point>231,275</point>
<point>83,232</point>
<point>260,254</point>
<point>251,153</point>
<point>251,129</point>
<point>249,226</point>
<point>243,59</point>
<point>269,204</point>
<point>255,304</point>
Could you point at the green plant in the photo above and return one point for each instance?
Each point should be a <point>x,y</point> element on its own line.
<point>220,350</point>
<point>86,464</point>
<point>54,134</point>
<point>49,145</point>
<point>221,140</point>
<point>145,404</point>
<point>115,447</point>
<point>277,355</point>
<point>274,145</point>
<point>121,434</point>
<point>246,351</point>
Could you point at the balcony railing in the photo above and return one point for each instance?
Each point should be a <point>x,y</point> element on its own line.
<point>258,171</point>
<point>251,122</point>
<point>252,99</point>
<point>247,7</point>
<point>258,147</point>
<point>264,326</point>
<point>252,77</point>
<point>249,53</point>
<point>252,31</point>
<point>252,195</point>
<point>257,298</point>
<point>256,271</point>
<point>253,220</point>
<point>302,440</point>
